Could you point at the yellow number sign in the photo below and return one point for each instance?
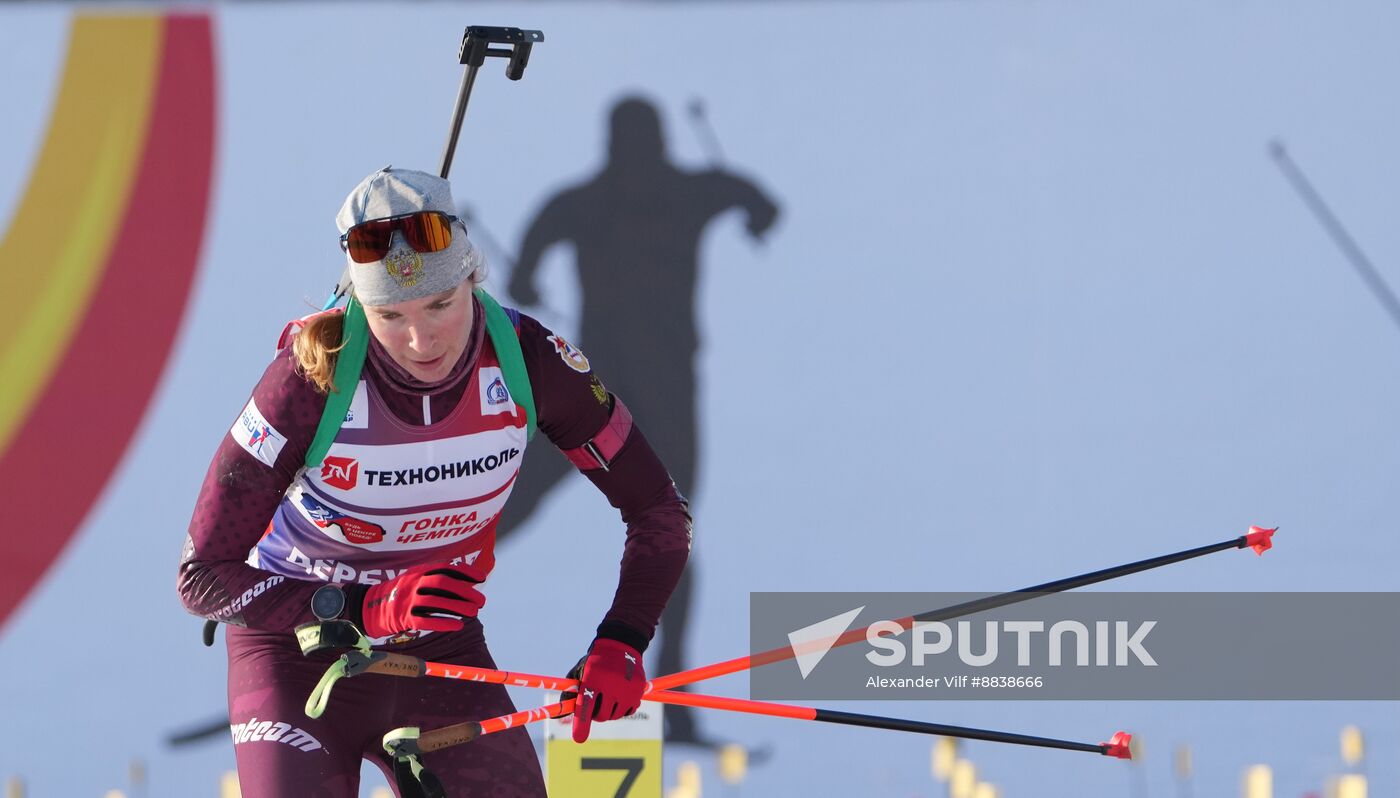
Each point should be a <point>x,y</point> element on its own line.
<point>622,758</point>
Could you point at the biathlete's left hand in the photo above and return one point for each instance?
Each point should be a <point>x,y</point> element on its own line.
<point>611,683</point>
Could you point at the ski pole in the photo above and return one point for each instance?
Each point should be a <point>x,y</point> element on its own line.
<point>1336,230</point>
<point>1258,539</point>
<point>403,665</point>
<point>459,733</point>
<point>470,730</point>
<point>407,744</point>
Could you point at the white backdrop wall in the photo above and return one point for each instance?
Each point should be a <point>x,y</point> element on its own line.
<point>1038,302</point>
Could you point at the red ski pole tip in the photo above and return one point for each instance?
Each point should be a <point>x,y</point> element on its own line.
<point>1117,746</point>
<point>1260,539</point>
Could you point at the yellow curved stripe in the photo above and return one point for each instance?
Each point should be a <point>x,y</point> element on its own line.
<point>53,255</point>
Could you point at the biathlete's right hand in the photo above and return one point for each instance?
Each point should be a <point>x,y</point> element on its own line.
<point>433,598</point>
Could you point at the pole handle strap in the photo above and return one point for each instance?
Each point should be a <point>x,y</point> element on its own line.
<point>412,779</point>
<point>322,635</point>
<point>321,693</point>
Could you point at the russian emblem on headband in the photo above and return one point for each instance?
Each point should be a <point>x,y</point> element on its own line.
<point>405,266</point>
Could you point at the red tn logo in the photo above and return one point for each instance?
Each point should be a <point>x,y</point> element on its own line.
<point>340,472</point>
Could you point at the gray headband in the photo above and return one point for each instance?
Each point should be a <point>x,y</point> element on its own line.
<point>405,274</point>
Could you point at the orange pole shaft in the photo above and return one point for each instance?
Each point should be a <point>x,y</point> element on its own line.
<point>733,704</point>
<point>474,674</point>
<point>453,735</point>
<point>524,716</point>
<point>443,670</point>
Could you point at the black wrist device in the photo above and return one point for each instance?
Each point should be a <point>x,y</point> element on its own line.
<point>328,603</point>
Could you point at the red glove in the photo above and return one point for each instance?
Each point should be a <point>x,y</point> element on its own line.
<point>430,597</point>
<point>611,685</point>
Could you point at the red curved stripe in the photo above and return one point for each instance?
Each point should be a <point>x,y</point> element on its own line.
<point>65,452</point>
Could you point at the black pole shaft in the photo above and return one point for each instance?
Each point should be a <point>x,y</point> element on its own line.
<point>923,727</point>
<point>1337,231</point>
<point>459,113</point>
<point>1070,583</point>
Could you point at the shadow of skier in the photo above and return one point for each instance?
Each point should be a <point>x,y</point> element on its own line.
<point>635,228</point>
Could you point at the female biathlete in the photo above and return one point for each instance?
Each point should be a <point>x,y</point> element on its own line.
<point>392,526</point>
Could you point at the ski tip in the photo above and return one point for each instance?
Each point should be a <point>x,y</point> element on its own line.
<point>1118,746</point>
<point>1260,539</point>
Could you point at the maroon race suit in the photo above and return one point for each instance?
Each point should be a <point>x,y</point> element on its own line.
<point>256,470</point>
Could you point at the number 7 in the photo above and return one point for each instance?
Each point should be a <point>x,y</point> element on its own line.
<point>633,766</point>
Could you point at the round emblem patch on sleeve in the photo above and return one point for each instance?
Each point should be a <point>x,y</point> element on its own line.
<point>570,354</point>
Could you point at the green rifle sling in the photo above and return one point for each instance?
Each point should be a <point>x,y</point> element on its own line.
<point>506,340</point>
